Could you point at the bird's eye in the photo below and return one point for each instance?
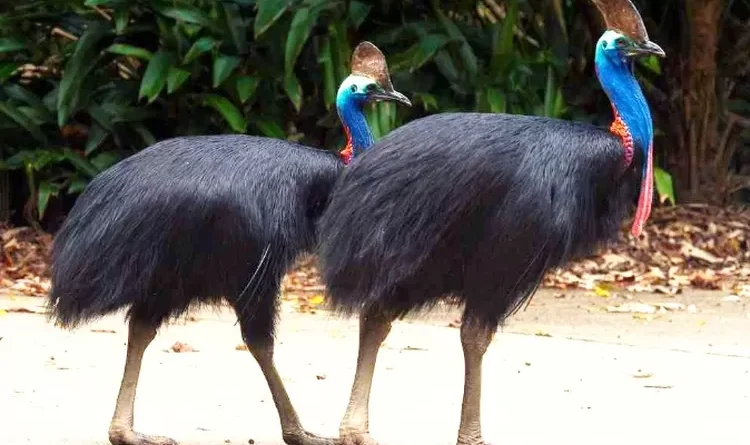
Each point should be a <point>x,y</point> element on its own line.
<point>354,88</point>
<point>620,42</point>
<point>370,88</point>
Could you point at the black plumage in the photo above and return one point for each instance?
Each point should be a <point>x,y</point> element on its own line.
<point>478,210</point>
<point>189,220</point>
<point>186,222</point>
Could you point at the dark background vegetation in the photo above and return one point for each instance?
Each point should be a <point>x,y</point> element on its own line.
<point>85,83</point>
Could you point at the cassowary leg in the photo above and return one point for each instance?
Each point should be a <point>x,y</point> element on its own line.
<point>475,339</point>
<point>140,335</point>
<point>374,327</point>
<point>261,346</point>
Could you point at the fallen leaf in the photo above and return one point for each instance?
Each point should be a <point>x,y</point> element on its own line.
<point>601,291</point>
<point>642,375</point>
<point>241,347</point>
<point>316,300</point>
<point>542,334</point>
<point>26,310</point>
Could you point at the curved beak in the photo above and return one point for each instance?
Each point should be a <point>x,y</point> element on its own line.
<point>393,96</point>
<point>644,49</point>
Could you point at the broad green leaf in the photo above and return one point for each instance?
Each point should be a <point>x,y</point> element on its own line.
<point>223,67</point>
<point>202,45</point>
<point>664,186</point>
<point>358,12</point>
<point>104,160</point>
<point>651,63</point>
<point>503,38</point>
<point>19,93</point>
<point>122,16</point>
<point>77,185</point>
<point>229,112</point>
<point>23,120</point>
<point>496,100</point>
<point>246,86</point>
<point>187,14</point>
<point>550,93</point>
<point>155,76</point>
<point>558,6</point>
<point>468,57</point>
<point>270,129</point>
<point>325,59</point>
<point>176,78</point>
<point>340,50</point>
<point>81,164</point>
<point>97,135</point>
<point>293,91</point>
<point>8,45</point>
<point>299,31</point>
<point>7,69</point>
<point>129,50</point>
<point>236,26</point>
<point>268,12</point>
<point>46,190</point>
<point>78,66</point>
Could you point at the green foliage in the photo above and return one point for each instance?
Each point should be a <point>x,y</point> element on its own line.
<point>84,84</point>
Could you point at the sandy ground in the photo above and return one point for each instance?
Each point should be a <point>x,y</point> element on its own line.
<point>563,372</point>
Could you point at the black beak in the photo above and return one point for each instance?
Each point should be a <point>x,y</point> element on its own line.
<point>393,96</point>
<point>644,49</point>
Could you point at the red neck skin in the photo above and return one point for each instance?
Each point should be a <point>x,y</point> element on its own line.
<point>346,153</point>
<point>620,129</point>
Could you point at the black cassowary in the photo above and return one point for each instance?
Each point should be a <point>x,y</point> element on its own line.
<point>477,207</point>
<point>194,220</point>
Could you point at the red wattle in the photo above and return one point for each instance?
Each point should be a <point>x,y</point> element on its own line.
<point>646,196</point>
<point>347,153</point>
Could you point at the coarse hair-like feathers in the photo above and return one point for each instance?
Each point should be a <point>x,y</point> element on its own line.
<point>187,221</point>
<point>471,206</point>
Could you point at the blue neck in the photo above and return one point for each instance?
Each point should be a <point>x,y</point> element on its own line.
<point>621,86</point>
<point>353,118</point>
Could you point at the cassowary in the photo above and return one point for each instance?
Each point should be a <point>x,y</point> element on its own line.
<point>197,220</point>
<point>477,207</point>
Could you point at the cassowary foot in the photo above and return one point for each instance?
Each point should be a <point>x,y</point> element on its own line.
<point>130,437</point>
<point>476,440</point>
<point>305,438</point>
<point>357,439</point>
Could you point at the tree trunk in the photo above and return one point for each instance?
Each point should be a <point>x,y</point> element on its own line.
<point>700,139</point>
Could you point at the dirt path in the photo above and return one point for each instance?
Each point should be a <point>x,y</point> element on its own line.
<point>565,371</point>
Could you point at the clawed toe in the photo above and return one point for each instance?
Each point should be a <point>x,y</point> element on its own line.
<point>357,439</point>
<point>132,438</point>
<point>305,438</point>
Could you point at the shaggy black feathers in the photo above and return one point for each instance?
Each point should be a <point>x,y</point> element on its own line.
<point>190,220</point>
<point>475,206</point>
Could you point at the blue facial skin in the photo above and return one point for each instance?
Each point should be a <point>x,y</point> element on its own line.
<point>613,59</point>
<point>353,95</point>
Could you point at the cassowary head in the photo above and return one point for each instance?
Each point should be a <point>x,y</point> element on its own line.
<point>369,80</point>
<point>626,35</point>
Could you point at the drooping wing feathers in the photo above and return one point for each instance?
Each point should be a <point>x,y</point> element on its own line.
<point>479,210</point>
<point>368,60</point>
<point>623,17</point>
